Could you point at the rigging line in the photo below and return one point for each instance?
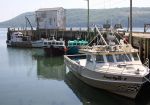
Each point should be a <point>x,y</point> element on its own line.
<point>120,44</point>
<point>147,79</point>
<point>99,34</point>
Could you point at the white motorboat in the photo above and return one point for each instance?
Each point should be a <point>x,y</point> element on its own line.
<point>17,39</point>
<point>38,43</point>
<point>119,29</point>
<point>113,67</point>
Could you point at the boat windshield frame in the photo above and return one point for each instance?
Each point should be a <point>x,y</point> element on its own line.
<point>135,56</point>
<point>123,57</point>
<point>110,58</point>
<point>99,59</point>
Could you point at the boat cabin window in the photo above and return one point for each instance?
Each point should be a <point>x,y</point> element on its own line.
<point>19,36</point>
<point>74,44</point>
<point>57,43</point>
<point>99,59</point>
<point>53,43</point>
<point>61,43</point>
<point>109,58</point>
<point>70,44</point>
<point>45,43</point>
<point>135,56</point>
<point>49,43</point>
<point>122,57</point>
<point>89,58</point>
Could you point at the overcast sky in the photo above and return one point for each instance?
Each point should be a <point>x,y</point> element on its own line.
<point>12,8</point>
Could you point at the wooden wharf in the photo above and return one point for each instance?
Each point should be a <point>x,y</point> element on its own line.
<point>141,41</point>
<point>69,34</point>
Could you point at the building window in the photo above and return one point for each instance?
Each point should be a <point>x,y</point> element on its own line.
<point>54,20</point>
<point>50,21</point>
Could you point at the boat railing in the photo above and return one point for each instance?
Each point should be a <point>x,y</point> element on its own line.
<point>106,48</point>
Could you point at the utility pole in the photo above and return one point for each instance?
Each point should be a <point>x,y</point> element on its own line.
<point>88,19</point>
<point>130,35</point>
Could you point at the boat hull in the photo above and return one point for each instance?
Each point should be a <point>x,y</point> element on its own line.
<point>54,51</point>
<point>19,44</point>
<point>123,85</point>
<point>72,50</point>
<point>37,44</point>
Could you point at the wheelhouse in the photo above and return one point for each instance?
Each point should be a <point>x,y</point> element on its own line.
<point>56,43</point>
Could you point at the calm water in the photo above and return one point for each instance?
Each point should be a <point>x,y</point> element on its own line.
<point>29,78</point>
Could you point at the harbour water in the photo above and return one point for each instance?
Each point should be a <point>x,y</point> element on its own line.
<point>27,77</point>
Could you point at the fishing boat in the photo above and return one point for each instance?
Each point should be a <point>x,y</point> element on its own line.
<point>119,29</point>
<point>38,43</point>
<point>17,39</point>
<point>111,65</point>
<point>54,47</point>
<point>74,45</point>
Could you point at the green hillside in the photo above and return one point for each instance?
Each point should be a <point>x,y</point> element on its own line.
<point>78,17</point>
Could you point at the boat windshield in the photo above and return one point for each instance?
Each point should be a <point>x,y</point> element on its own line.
<point>99,59</point>
<point>61,43</point>
<point>123,57</point>
<point>109,58</point>
<point>135,56</point>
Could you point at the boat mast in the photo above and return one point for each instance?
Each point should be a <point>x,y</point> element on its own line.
<point>101,35</point>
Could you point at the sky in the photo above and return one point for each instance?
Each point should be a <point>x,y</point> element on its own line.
<point>12,8</point>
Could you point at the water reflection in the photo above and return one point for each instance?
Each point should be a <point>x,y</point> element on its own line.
<point>50,67</point>
<point>93,96</point>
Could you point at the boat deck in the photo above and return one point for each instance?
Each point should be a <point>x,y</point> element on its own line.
<point>123,69</point>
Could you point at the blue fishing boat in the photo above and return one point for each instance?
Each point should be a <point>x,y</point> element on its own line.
<point>74,45</point>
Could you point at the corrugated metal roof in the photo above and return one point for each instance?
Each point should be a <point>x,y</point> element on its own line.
<point>49,9</point>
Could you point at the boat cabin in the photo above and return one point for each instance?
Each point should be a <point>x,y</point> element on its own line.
<point>77,43</point>
<point>19,37</point>
<point>50,43</point>
<point>16,37</point>
<point>116,63</point>
<point>47,43</point>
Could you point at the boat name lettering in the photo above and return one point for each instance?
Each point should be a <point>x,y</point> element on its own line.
<point>115,77</point>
